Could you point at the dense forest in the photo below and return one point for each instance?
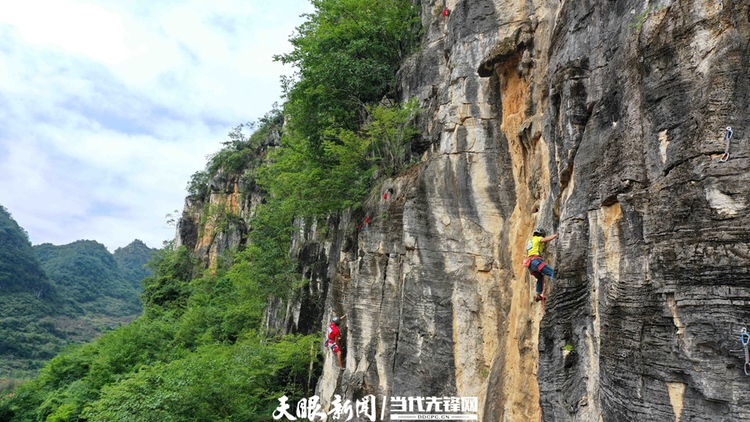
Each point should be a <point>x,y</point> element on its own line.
<point>29,302</point>
<point>52,296</point>
<point>199,351</point>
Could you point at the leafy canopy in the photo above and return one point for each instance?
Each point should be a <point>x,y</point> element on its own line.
<point>342,174</point>
<point>347,54</point>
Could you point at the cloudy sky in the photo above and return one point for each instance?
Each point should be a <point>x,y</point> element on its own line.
<point>107,107</point>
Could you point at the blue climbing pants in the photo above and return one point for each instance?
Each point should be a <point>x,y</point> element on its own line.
<point>539,274</point>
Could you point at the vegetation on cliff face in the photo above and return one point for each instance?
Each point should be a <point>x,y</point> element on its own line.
<point>239,155</point>
<point>198,352</point>
<point>347,55</point>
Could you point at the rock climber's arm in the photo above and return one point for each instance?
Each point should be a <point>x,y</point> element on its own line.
<point>549,238</point>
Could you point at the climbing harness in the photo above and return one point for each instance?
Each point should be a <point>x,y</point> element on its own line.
<point>538,268</point>
<point>725,157</point>
<point>745,341</point>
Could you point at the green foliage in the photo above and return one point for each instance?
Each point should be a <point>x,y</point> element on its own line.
<point>342,175</point>
<point>389,133</point>
<point>240,154</point>
<point>264,269</point>
<point>51,296</point>
<point>20,269</point>
<point>638,24</point>
<point>217,382</point>
<point>87,274</point>
<point>195,355</point>
<point>75,378</point>
<point>235,155</point>
<point>568,347</point>
<point>167,289</point>
<point>198,185</point>
<point>28,335</point>
<point>132,260</point>
<point>347,54</point>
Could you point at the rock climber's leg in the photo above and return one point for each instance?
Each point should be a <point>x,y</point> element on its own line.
<point>539,284</point>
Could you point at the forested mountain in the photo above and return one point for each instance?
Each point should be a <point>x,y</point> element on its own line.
<point>132,260</point>
<point>86,273</point>
<point>28,303</point>
<point>51,296</point>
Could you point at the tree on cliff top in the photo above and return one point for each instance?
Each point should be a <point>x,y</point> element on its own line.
<point>347,54</point>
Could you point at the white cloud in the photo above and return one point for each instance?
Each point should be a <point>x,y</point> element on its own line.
<point>107,108</point>
<point>81,28</point>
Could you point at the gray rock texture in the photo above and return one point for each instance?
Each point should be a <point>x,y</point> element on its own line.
<point>600,120</point>
<point>651,288</point>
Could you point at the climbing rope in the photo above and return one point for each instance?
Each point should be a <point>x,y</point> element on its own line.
<point>725,157</point>
<point>745,341</point>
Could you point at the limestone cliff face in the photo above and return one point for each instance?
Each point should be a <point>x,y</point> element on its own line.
<point>438,301</point>
<point>652,285</point>
<point>602,121</point>
<point>218,223</point>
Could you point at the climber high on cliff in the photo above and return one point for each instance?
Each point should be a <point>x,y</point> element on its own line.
<point>333,338</point>
<point>537,267</point>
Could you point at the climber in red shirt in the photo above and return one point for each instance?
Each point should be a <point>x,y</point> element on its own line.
<point>333,338</point>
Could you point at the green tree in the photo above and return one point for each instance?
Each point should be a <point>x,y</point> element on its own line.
<point>347,54</point>
<point>168,288</point>
<point>342,175</point>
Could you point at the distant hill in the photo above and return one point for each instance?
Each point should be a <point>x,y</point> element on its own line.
<point>86,273</point>
<point>131,260</point>
<point>51,296</point>
<point>28,303</point>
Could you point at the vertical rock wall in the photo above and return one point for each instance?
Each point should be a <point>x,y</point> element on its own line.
<point>651,287</point>
<point>438,301</point>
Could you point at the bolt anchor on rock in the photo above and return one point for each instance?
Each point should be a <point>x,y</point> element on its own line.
<point>725,157</point>
<point>745,341</point>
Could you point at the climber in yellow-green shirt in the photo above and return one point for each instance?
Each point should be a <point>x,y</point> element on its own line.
<point>537,267</point>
